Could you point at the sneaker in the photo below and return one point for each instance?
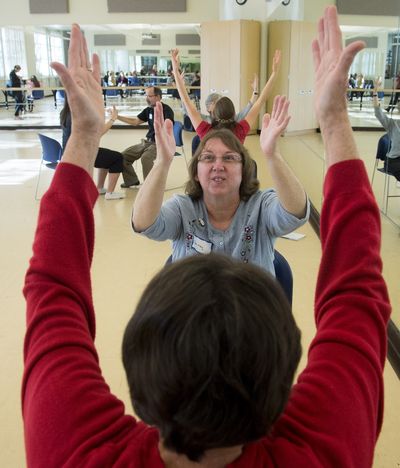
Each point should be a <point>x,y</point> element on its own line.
<point>135,185</point>
<point>102,191</point>
<point>18,117</point>
<point>114,196</point>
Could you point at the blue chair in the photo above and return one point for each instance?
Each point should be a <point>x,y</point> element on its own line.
<point>178,127</point>
<point>283,274</point>
<point>51,155</point>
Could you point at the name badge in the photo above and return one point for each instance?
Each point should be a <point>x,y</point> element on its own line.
<point>201,246</point>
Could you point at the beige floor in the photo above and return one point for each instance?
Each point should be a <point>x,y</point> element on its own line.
<point>123,264</point>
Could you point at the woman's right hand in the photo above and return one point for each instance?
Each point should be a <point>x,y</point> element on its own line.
<point>165,140</point>
<point>175,60</point>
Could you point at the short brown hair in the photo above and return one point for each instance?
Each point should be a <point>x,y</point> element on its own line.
<point>156,90</point>
<point>249,184</point>
<point>211,364</point>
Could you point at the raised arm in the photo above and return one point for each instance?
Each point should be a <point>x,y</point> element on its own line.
<point>254,96</point>
<point>193,113</point>
<point>128,120</point>
<point>150,196</point>
<point>386,121</point>
<point>290,192</point>
<point>61,363</point>
<point>252,116</point>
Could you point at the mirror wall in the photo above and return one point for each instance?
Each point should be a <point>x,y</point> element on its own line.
<point>381,58</point>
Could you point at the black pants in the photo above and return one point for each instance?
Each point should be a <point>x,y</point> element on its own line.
<point>392,165</point>
<point>109,159</point>
<point>393,100</point>
<point>19,99</point>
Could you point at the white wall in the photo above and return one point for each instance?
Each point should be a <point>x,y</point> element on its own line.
<point>95,12</point>
<point>262,10</point>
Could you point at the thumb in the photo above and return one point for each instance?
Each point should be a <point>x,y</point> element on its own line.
<point>168,126</point>
<point>348,54</point>
<point>266,120</point>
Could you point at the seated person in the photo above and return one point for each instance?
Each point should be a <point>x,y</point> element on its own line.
<point>223,113</point>
<point>32,83</point>
<point>392,160</point>
<point>210,104</point>
<point>146,150</point>
<point>107,161</point>
<point>211,351</point>
<point>224,210</point>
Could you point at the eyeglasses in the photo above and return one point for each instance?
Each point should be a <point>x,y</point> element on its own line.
<point>228,158</point>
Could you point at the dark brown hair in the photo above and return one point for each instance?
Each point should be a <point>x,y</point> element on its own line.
<point>249,184</point>
<point>223,114</point>
<point>210,354</point>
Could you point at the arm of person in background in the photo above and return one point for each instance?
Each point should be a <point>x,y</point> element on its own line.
<point>112,119</point>
<point>386,121</point>
<point>150,196</point>
<point>252,116</point>
<point>290,192</point>
<point>193,113</point>
<point>254,96</point>
<point>134,121</point>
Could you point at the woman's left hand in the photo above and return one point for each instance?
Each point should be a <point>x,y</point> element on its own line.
<point>274,125</point>
<point>165,140</point>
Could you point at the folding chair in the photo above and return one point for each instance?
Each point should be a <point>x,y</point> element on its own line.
<point>178,127</point>
<point>51,155</point>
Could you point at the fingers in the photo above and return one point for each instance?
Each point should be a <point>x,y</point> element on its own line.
<point>333,29</point>
<point>64,75</point>
<point>74,47</point>
<point>83,51</point>
<point>266,120</point>
<point>169,127</point>
<point>316,54</point>
<point>96,67</point>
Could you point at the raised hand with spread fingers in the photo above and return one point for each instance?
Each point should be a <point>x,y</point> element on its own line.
<point>81,80</point>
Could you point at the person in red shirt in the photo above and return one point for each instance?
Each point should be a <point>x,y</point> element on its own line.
<point>223,114</point>
<point>211,351</point>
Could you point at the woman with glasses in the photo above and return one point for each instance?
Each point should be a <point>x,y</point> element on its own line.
<point>223,209</point>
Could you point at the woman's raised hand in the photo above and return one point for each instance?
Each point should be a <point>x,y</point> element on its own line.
<point>276,61</point>
<point>274,125</point>
<point>165,141</point>
<point>331,65</point>
<point>81,80</point>
<point>175,60</point>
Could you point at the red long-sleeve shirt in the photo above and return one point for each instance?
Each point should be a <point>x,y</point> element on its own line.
<point>334,414</point>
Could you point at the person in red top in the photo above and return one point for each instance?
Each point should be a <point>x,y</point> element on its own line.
<point>223,113</point>
<point>212,348</point>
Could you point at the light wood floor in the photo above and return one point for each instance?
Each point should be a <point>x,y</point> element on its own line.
<point>124,263</point>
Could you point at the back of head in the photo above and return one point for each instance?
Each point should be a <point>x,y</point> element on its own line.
<point>211,99</point>
<point>210,353</point>
<point>223,114</point>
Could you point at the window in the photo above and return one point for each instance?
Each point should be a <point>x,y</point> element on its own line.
<point>41,54</point>
<point>13,45</point>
